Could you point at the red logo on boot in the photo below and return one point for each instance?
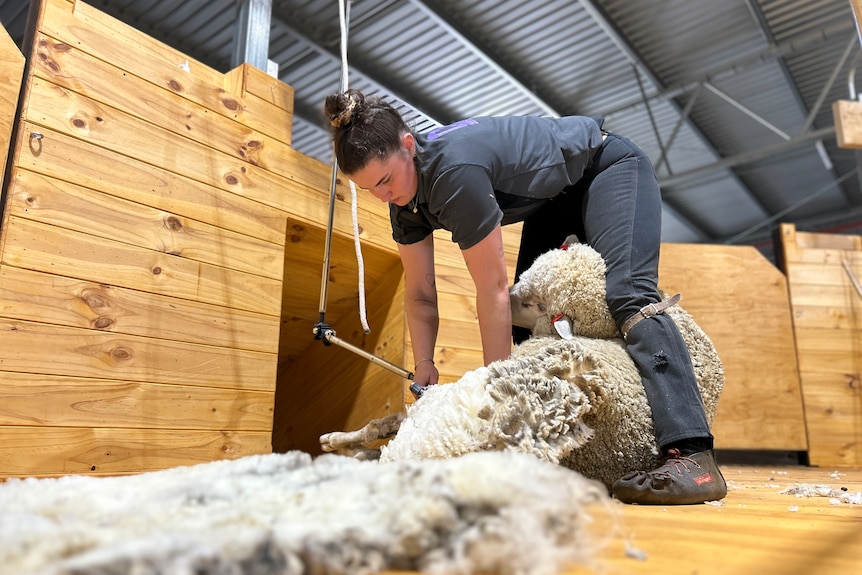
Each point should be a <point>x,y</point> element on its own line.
<point>703,479</point>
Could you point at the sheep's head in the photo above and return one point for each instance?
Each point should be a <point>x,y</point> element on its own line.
<point>566,285</point>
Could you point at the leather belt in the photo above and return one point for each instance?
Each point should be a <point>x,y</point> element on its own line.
<point>648,311</point>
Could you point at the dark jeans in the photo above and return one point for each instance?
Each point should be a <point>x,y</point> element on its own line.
<point>616,208</point>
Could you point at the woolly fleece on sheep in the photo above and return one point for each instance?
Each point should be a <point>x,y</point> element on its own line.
<point>579,401</point>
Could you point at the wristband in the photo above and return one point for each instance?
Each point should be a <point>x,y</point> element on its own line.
<point>421,360</point>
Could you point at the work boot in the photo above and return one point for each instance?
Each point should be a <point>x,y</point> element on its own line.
<point>682,480</point>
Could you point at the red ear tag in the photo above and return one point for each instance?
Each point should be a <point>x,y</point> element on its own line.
<point>557,317</point>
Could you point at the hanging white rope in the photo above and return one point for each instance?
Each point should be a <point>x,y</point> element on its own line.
<point>343,12</point>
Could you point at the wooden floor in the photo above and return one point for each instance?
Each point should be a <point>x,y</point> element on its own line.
<point>756,530</point>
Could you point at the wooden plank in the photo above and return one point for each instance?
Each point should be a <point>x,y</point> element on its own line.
<point>62,351</point>
<point>831,274</point>
<point>834,296</point>
<point>740,300</point>
<point>333,388</point>
<point>827,311</point>
<point>847,115</point>
<point>52,299</point>
<point>47,451</point>
<point>57,401</point>
<point>71,68</point>
<point>833,405</point>
<point>62,204</point>
<point>108,39</point>
<point>249,81</point>
<point>70,159</point>
<point>39,247</point>
<point>831,351</point>
<point>817,316</point>
<point>303,269</point>
<point>11,77</point>
<point>56,108</point>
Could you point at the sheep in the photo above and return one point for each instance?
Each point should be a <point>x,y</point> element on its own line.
<point>570,394</point>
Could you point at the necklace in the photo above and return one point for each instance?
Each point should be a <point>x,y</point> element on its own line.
<point>415,207</point>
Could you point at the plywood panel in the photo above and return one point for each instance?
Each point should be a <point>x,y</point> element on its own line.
<point>47,451</point>
<point>741,302</point>
<point>60,401</point>
<point>827,312</point>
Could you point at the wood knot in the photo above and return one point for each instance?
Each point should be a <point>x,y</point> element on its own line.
<point>297,233</point>
<point>174,224</point>
<point>230,104</point>
<point>94,299</point>
<point>174,85</point>
<point>231,179</point>
<point>48,62</point>
<point>62,47</point>
<point>79,123</point>
<point>122,353</point>
<point>156,270</point>
<point>103,322</point>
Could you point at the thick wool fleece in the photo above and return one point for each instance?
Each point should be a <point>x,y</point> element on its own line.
<point>285,514</point>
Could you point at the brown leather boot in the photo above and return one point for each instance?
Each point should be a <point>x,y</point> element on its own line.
<point>682,480</point>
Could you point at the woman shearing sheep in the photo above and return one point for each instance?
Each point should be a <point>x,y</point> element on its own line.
<point>558,176</point>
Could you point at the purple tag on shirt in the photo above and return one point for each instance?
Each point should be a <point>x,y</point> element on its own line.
<point>443,130</point>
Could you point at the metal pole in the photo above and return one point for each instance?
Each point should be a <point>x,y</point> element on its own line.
<point>252,38</point>
<point>322,331</point>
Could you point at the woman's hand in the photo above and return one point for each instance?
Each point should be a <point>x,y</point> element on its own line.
<point>425,373</point>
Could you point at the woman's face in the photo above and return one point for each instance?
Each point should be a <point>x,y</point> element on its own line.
<point>392,179</point>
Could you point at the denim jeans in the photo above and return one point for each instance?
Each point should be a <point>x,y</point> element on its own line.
<point>616,208</point>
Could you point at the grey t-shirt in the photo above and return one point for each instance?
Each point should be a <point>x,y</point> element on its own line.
<point>479,172</point>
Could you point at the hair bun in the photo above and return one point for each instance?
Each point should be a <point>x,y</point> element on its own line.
<point>342,107</point>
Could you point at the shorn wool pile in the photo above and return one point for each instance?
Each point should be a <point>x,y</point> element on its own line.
<point>570,395</point>
<point>287,514</point>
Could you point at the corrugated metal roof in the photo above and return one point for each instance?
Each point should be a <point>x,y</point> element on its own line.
<point>730,98</point>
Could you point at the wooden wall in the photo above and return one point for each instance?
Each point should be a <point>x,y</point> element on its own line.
<point>160,256</point>
<point>11,74</point>
<point>824,273</point>
<point>160,261</point>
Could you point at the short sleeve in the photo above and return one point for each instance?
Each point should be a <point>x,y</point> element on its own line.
<point>463,200</point>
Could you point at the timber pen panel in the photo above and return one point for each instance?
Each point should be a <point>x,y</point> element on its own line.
<point>148,308</point>
<point>11,76</point>
<point>825,278</point>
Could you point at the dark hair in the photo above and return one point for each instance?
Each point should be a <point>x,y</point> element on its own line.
<point>363,129</point>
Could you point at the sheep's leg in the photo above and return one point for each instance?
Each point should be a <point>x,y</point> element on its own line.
<point>351,441</point>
